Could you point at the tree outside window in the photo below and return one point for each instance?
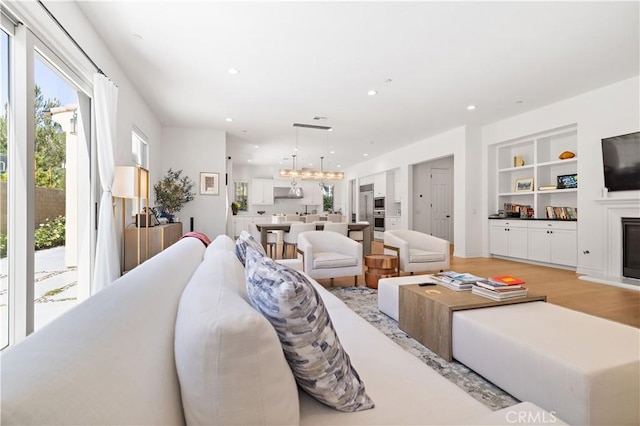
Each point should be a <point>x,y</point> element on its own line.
<point>242,195</point>
<point>327,198</point>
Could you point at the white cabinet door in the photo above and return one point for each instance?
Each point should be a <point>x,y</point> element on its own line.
<point>392,223</point>
<point>261,191</point>
<point>237,226</point>
<point>508,238</point>
<point>380,185</point>
<point>553,242</point>
<point>517,237</point>
<point>498,241</point>
<point>539,240</point>
<point>564,247</point>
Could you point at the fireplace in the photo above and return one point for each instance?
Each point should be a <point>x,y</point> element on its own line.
<point>631,247</point>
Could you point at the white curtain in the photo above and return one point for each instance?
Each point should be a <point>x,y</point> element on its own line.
<point>107,268</point>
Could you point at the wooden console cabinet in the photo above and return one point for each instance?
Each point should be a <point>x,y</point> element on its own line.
<point>160,237</point>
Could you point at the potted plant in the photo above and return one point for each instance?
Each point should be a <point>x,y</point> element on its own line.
<point>172,192</point>
<point>235,206</point>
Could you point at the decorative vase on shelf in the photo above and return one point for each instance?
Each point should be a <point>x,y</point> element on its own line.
<point>234,207</point>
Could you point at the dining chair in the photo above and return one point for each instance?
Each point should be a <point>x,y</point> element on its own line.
<point>291,237</point>
<point>341,228</point>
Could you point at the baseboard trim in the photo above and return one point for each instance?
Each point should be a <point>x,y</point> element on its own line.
<point>622,282</point>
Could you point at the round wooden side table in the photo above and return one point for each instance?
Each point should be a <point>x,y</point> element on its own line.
<point>379,266</point>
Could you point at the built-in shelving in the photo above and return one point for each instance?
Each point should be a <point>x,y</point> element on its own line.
<point>540,154</point>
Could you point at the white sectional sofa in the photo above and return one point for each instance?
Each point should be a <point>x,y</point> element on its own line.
<point>167,343</point>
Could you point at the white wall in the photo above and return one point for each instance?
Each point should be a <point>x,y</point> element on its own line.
<point>608,111</point>
<point>194,151</point>
<point>450,143</point>
<point>132,108</point>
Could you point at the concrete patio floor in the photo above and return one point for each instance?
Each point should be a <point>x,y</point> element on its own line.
<point>55,289</point>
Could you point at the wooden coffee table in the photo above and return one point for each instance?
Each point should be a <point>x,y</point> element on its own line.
<point>426,313</point>
<point>379,266</point>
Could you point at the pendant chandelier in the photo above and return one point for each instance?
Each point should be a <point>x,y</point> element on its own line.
<point>310,173</point>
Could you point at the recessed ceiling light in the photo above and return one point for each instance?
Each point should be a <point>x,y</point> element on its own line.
<point>332,152</point>
<point>338,166</point>
<point>228,119</point>
<point>256,146</point>
<point>233,71</point>
<point>330,130</point>
<point>471,107</point>
<point>249,160</point>
<point>365,155</point>
<point>295,149</point>
<point>372,92</point>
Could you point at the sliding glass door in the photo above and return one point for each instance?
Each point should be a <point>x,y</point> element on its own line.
<point>4,119</point>
<point>47,196</point>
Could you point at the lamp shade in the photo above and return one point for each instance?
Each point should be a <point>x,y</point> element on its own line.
<point>130,182</point>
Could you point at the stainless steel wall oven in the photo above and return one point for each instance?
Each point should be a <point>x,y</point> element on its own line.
<point>378,220</point>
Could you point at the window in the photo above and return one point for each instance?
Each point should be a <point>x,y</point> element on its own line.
<point>242,195</point>
<point>327,198</point>
<point>140,149</point>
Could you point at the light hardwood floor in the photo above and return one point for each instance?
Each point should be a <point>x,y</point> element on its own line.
<point>561,286</point>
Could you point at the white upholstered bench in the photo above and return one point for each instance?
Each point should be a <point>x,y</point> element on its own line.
<point>388,293</point>
<point>583,368</point>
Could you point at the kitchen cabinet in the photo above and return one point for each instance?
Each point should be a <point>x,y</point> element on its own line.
<point>380,185</point>
<point>553,242</point>
<point>261,192</point>
<point>241,223</point>
<point>391,223</point>
<point>508,238</point>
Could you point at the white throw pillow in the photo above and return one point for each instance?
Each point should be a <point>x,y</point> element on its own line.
<point>229,359</point>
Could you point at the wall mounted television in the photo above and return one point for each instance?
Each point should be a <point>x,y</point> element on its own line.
<point>621,160</point>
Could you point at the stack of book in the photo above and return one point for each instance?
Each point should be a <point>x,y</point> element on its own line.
<point>456,281</point>
<point>503,287</point>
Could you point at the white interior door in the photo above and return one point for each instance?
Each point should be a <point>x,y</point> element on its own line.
<point>441,205</point>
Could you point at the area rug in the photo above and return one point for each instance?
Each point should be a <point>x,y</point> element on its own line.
<point>364,302</point>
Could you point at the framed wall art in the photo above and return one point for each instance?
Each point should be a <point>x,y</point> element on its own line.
<point>524,185</point>
<point>209,183</point>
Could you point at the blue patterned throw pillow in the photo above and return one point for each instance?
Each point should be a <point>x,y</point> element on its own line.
<point>246,240</point>
<point>309,341</point>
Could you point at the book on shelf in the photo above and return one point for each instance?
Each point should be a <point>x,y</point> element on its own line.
<point>494,295</point>
<point>547,188</point>
<point>506,280</point>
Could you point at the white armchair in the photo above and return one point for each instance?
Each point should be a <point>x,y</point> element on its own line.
<point>329,255</point>
<point>417,251</point>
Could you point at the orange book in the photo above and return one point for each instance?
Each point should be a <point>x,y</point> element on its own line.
<point>506,280</point>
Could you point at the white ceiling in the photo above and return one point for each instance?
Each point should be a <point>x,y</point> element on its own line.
<point>298,60</point>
